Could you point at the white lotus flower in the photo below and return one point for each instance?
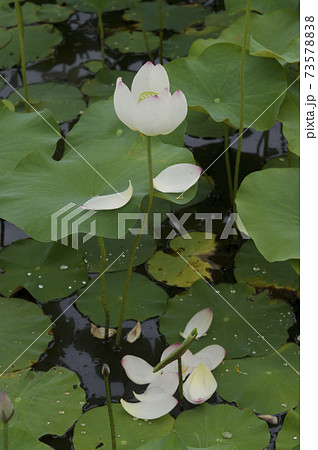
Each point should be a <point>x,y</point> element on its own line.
<point>158,398</point>
<point>177,178</point>
<point>110,201</point>
<point>149,107</point>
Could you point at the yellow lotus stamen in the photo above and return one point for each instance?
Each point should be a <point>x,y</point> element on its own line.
<point>144,95</point>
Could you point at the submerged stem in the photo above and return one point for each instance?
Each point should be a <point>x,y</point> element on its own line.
<point>180,383</point>
<point>101,34</point>
<point>227,162</point>
<point>109,407</point>
<point>103,284</point>
<point>141,20</point>
<point>134,249</point>
<point>19,16</point>
<point>243,54</point>
<point>2,224</point>
<point>160,29</point>
<point>5,436</point>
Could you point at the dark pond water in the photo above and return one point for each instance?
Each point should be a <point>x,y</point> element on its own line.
<point>72,345</point>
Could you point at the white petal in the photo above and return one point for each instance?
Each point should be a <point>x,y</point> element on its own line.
<point>140,82</point>
<point>200,385</point>
<point>124,104</point>
<point>167,383</point>
<point>152,116</point>
<point>151,394</point>
<point>111,201</point>
<point>211,356</point>
<point>177,178</point>
<point>201,321</point>
<point>152,410</point>
<point>178,110</point>
<point>138,370</point>
<point>158,79</point>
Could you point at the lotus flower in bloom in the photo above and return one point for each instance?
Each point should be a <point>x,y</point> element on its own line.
<point>149,107</point>
<point>199,383</point>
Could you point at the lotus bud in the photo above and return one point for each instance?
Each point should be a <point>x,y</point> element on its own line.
<point>6,407</point>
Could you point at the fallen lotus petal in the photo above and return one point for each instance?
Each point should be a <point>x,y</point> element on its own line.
<point>151,409</point>
<point>168,382</point>
<point>149,107</point>
<point>110,201</point>
<point>99,332</point>
<point>134,334</point>
<point>211,356</point>
<point>177,178</point>
<point>201,321</point>
<point>200,385</point>
<point>268,418</point>
<point>187,362</point>
<point>138,370</point>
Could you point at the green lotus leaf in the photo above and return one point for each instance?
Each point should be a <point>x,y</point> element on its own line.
<point>262,6</point>
<point>252,268</point>
<point>237,313</point>
<point>131,42</point>
<point>91,6</point>
<point>289,115</point>
<point>18,437</point>
<point>240,381</point>
<point>217,85</point>
<point>34,134</point>
<point>202,125</point>
<point>22,323</point>
<point>268,205</point>
<point>144,299</point>
<point>281,162</point>
<point>65,101</point>
<point>5,37</point>
<point>289,436</point>
<point>92,429</point>
<point>44,402</point>
<point>171,269</point>
<point>174,17</point>
<point>33,13</point>
<point>47,271</point>
<point>39,42</point>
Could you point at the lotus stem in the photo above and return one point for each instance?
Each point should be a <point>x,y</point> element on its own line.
<point>103,284</point>
<point>5,436</point>
<point>180,383</point>
<point>141,20</point>
<point>101,34</point>
<point>266,138</point>
<point>106,373</point>
<point>19,16</point>
<point>160,30</point>
<point>239,148</point>
<point>227,162</point>
<point>134,249</point>
<point>2,223</point>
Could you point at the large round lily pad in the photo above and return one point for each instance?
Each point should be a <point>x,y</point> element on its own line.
<point>271,318</point>
<point>22,324</point>
<point>33,13</point>
<point>144,300</point>
<point>252,268</point>
<point>132,42</point>
<point>19,437</point>
<point>47,271</point>
<point>34,134</point>
<point>114,247</point>
<point>44,402</point>
<point>235,6</point>
<point>39,42</point>
<point>221,426</point>
<point>268,205</point>
<point>92,429</point>
<point>172,269</point>
<point>41,187</point>
<point>265,384</point>
<point>212,82</point>
<point>65,101</point>
<point>289,436</point>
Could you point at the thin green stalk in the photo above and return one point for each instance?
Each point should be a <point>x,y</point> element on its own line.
<point>290,158</point>
<point>110,410</point>
<point>2,224</point>
<point>239,149</point>
<point>103,284</point>
<point>141,20</point>
<point>227,162</point>
<point>5,436</point>
<point>19,16</point>
<point>101,34</point>
<point>160,29</point>
<point>134,249</point>
<point>266,139</point>
<point>180,383</point>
